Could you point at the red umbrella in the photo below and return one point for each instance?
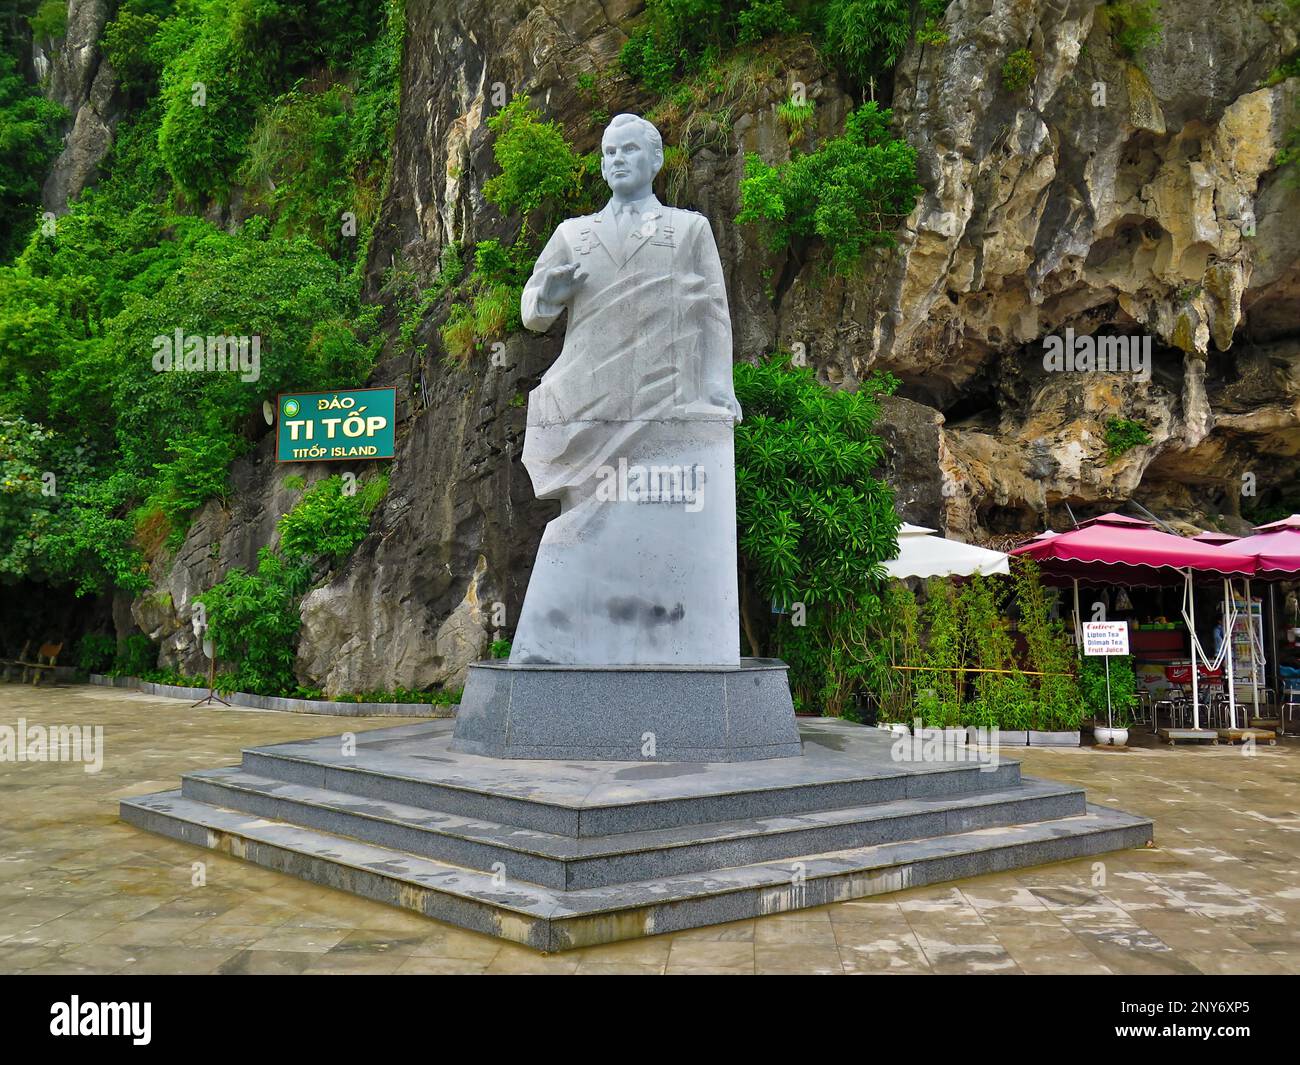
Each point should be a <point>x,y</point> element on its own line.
<point>1212,537</point>
<point>1118,549</point>
<point>1275,547</point>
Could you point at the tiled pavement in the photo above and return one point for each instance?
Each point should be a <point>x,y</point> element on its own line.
<point>81,892</point>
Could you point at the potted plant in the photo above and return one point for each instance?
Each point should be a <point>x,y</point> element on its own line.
<point>1115,705</point>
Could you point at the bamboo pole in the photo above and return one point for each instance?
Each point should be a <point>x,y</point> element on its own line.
<point>972,669</point>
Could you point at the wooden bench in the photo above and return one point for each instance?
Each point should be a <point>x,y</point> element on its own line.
<point>12,663</point>
<point>45,660</point>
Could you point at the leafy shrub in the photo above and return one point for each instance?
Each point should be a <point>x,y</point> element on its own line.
<point>1135,25</point>
<point>136,657</point>
<point>795,116</point>
<point>1000,699</point>
<point>815,523</point>
<point>1058,705</point>
<point>50,21</point>
<point>442,697</point>
<point>95,652</point>
<point>850,193</point>
<point>253,620</point>
<point>128,42</point>
<point>866,36</point>
<point>196,472</point>
<point>326,522</point>
<point>202,143</point>
<point>1123,688</point>
<point>1123,434</point>
<point>941,683</point>
<point>1019,70</point>
<point>29,140</point>
<point>499,649</point>
<point>538,168</point>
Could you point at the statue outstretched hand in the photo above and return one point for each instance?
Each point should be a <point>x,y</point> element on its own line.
<point>561,283</point>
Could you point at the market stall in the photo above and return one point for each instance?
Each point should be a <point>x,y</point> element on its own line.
<point>1276,550</point>
<point>1116,550</point>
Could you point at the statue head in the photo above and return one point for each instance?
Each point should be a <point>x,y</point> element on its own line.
<point>631,153</point>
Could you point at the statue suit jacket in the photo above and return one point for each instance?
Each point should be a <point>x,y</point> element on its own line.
<point>649,335</point>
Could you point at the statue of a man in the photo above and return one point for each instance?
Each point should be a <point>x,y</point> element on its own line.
<point>631,430</point>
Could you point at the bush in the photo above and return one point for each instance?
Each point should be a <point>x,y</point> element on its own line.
<point>253,620</point>
<point>50,22</point>
<point>1019,70</point>
<point>95,652</point>
<point>136,657</point>
<point>326,522</point>
<point>1059,706</point>
<point>850,193</point>
<point>865,37</point>
<point>1123,688</point>
<point>815,523</point>
<point>128,42</point>
<point>1123,434</point>
<point>1135,25</point>
<point>1001,699</point>
<point>30,138</point>
<point>538,168</point>
<point>210,93</point>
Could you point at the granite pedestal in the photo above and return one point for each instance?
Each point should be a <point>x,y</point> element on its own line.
<point>563,854</point>
<point>629,713</point>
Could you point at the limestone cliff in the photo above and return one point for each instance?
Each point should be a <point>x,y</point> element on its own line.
<point>1109,197</point>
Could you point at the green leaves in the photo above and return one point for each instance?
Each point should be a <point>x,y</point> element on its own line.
<point>29,141</point>
<point>814,522</point>
<point>849,194</point>
<point>538,168</point>
<point>326,522</point>
<point>253,619</point>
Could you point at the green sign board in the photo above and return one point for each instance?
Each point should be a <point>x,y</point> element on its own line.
<point>336,426</point>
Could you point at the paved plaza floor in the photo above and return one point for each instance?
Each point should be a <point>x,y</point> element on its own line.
<point>80,892</point>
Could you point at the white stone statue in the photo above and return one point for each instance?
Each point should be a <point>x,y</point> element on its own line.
<point>631,430</point>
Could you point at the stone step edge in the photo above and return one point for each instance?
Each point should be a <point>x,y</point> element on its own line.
<point>268,756</point>
<point>622,843</point>
<point>531,902</point>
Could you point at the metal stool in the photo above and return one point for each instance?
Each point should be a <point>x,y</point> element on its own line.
<point>1289,709</point>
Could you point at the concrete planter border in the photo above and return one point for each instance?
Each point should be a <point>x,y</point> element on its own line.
<point>271,702</point>
<point>1004,737</point>
<point>1053,739</point>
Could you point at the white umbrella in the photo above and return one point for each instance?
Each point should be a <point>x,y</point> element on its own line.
<point>921,553</point>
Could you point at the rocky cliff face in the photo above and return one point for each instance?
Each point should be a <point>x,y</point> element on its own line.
<point>1108,198</point>
<point>83,82</point>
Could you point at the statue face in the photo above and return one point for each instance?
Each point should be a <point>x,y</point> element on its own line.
<point>628,162</point>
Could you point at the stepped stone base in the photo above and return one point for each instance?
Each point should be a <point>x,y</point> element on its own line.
<point>558,855</point>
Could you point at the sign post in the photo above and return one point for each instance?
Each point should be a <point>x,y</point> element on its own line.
<point>1106,638</point>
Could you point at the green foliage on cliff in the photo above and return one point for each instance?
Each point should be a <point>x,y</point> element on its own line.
<point>1124,434</point>
<point>862,37</point>
<point>1019,71</point>
<point>1135,25</point>
<point>253,620</point>
<point>50,20</point>
<point>253,616</point>
<point>328,522</point>
<point>849,194</point>
<point>298,108</point>
<point>29,141</point>
<point>815,522</point>
<point>542,180</point>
